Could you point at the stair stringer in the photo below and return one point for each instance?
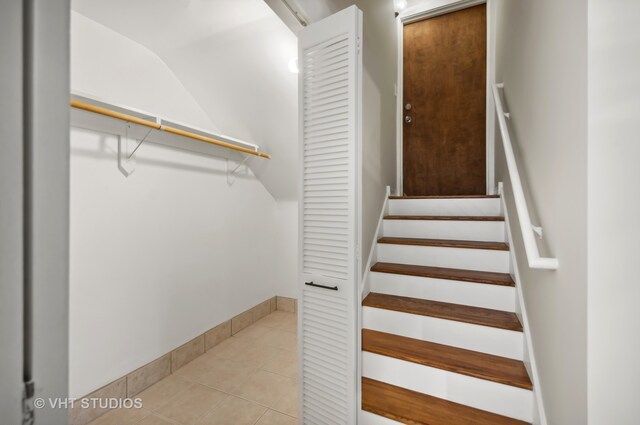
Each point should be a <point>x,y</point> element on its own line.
<point>539,415</point>
<point>373,252</point>
<point>364,291</point>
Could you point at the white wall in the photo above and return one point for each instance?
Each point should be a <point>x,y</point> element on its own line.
<point>378,115</point>
<point>614,208</point>
<point>161,256</point>
<point>111,67</point>
<point>244,81</point>
<point>169,252</point>
<point>287,249</point>
<point>414,6</point>
<point>542,60</point>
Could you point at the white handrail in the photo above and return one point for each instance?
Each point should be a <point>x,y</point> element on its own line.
<point>528,229</point>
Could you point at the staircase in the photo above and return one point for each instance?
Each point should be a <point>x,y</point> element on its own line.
<point>441,342</point>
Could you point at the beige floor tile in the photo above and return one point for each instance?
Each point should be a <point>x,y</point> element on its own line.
<point>283,340</point>
<point>285,363</point>
<point>261,336</point>
<point>277,319</point>
<point>163,391</point>
<point>154,419</point>
<point>226,375</point>
<point>275,418</point>
<point>280,331</point>
<point>233,411</point>
<point>266,388</point>
<point>122,417</point>
<point>290,319</point>
<point>255,334</point>
<point>198,367</point>
<point>288,401</point>
<point>251,351</point>
<point>192,404</point>
<point>198,392</point>
<point>229,345</point>
<point>289,325</point>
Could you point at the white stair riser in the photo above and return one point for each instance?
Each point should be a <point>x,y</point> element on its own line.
<point>457,258</point>
<point>486,339</point>
<point>467,207</point>
<point>450,291</point>
<point>446,229</point>
<point>368,418</point>
<point>474,392</point>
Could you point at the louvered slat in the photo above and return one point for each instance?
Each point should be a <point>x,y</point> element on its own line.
<point>329,86</point>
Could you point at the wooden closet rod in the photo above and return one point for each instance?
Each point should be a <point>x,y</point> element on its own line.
<point>168,129</point>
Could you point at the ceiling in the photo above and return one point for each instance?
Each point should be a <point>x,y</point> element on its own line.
<point>166,25</point>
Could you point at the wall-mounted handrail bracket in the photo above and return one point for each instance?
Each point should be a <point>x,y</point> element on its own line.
<point>537,230</point>
<point>526,227</point>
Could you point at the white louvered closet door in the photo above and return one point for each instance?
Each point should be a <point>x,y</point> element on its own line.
<point>329,88</point>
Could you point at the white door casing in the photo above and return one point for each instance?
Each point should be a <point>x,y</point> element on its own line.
<point>425,10</point>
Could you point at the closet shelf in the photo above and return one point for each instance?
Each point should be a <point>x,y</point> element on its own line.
<point>162,125</point>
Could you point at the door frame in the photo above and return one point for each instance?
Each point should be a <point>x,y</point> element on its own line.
<point>431,9</point>
<point>34,212</point>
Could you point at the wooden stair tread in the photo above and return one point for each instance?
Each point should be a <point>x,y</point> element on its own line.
<point>445,217</point>
<point>411,407</point>
<point>444,197</point>
<point>491,278</point>
<point>447,243</point>
<point>458,360</point>
<point>460,313</point>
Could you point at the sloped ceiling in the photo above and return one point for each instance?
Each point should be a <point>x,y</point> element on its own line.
<point>232,56</point>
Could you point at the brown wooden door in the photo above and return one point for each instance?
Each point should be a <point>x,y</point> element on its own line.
<point>444,150</point>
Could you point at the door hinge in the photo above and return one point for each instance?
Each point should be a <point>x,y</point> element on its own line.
<point>28,409</point>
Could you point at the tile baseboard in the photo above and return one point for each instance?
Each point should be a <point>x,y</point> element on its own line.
<point>116,389</point>
<point>142,378</point>
<point>287,304</point>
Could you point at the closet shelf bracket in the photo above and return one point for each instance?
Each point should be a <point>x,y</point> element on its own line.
<point>232,173</point>
<point>128,146</point>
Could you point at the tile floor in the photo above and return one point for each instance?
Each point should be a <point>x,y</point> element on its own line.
<point>250,378</point>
